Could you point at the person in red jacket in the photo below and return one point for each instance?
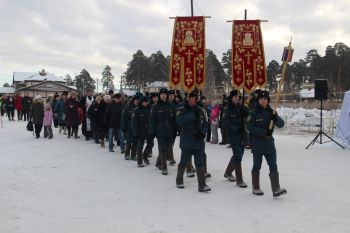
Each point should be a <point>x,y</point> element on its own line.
<point>18,106</point>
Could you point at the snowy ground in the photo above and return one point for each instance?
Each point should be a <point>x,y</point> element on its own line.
<point>72,186</point>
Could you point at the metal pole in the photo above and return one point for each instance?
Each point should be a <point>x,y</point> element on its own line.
<point>243,93</point>
<point>192,8</point>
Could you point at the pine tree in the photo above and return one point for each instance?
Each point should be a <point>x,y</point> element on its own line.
<point>226,63</point>
<point>139,71</point>
<point>84,81</point>
<point>215,73</point>
<point>273,71</point>
<point>107,79</point>
<point>69,81</point>
<point>160,67</point>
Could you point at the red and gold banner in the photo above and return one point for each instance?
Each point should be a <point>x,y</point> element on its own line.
<point>187,64</point>
<point>248,59</point>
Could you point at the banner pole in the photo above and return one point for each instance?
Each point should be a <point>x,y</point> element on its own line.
<point>192,8</point>
<point>243,94</point>
<point>280,84</point>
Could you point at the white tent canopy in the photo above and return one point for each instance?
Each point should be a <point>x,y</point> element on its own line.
<point>343,128</point>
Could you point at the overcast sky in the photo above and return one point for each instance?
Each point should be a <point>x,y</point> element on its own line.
<point>65,36</point>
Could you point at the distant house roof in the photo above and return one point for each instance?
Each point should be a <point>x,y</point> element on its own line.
<point>7,90</point>
<point>48,85</point>
<point>29,76</point>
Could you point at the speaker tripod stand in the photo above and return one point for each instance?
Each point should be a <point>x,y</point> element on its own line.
<point>320,133</point>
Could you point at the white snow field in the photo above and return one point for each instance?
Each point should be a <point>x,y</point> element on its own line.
<point>73,186</point>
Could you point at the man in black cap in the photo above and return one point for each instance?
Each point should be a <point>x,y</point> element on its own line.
<point>193,123</point>
<point>130,148</point>
<point>113,116</point>
<point>263,144</point>
<point>161,126</point>
<point>233,121</point>
<point>140,126</point>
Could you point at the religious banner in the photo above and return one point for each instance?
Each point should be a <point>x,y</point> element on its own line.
<point>248,59</point>
<point>187,64</point>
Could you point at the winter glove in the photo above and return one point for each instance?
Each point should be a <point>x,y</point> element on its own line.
<point>274,117</point>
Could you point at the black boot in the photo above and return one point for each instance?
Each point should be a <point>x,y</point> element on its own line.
<point>158,163</point>
<point>127,151</point>
<point>76,134</point>
<point>256,184</point>
<point>145,160</point>
<point>163,162</point>
<point>171,156</point>
<point>207,174</point>
<point>238,171</point>
<point>202,186</point>
<point>190,169</point>
<point>133,152</point>
<point>139,158</point>
<point>275,185</point>
<point>180,177</point>
<point>228,172</point>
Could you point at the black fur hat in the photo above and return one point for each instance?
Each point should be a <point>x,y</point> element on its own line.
<point>263,94</point>
<point>233,93</point>
<point>163,91</point>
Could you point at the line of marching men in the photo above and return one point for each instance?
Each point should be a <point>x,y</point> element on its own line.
<point>161,117</point>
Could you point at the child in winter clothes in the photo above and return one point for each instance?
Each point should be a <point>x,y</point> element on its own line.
<point>214,119</point>
<point>47,121</point>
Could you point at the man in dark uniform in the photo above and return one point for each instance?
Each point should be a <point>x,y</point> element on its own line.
<point>150,141</point>
<point>263,143</point>
<point>233,121</point>
<point>193,123</point>
<point>130,147</point>
<point>174,105</point>
<point>161,126</point>
<point>140,127</point>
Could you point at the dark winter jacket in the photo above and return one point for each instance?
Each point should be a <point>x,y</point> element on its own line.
<point>37,112</point>
<point>126,117</point>
<point>140,121</point>
<point>194,126</point>
<point>10,102</point>
<point>26,102</point>
<point>113,115</point>
<point>72,115</point>
<point>262,141</point>
<point>100,116</point>
<point>60,111</point>
<point>162,120</point>
<point>233,120</point>
<point>92,112</point>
